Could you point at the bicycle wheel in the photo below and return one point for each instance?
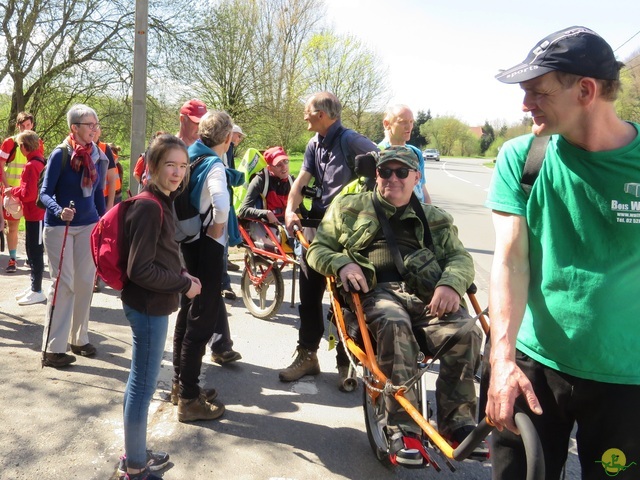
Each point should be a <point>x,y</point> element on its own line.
<point>375,421</point>
<point>262,288</point>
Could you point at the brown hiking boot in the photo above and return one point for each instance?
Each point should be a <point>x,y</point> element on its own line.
<point>210,394</point>
<point>306,363</point>
<point>57,360</point>
<point>190,410</point>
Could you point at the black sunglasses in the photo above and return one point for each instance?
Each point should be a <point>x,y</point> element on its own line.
<point>401,173</point>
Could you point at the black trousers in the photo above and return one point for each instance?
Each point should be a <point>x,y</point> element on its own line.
<point>608,419</point>
<point>35,252</point>
<point>199,318</point>
<point>312,288</point>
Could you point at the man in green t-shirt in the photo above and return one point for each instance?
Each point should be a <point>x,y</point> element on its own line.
<point>564,308</point>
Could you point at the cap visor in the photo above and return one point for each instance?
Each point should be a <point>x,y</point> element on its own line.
<point>522,73</point>
<point>194,119</point>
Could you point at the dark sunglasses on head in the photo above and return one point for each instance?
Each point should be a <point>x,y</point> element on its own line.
<point>401,173</point>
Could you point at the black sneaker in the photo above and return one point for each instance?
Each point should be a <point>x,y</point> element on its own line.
<point>86,350</point>
<point>12,266</point>
<point>155,461</point>
<point>144,475</point>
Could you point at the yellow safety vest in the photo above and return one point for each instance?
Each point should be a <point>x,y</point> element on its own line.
<point>13,170</point>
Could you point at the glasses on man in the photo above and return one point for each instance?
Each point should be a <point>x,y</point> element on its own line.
<point>92,126</point>
<point>282,163</point>
<point>402,172</point>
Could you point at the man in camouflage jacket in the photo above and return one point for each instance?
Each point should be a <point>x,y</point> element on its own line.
<point>350,245</point>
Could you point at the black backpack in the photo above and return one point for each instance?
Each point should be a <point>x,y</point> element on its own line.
<point>189,220</point>
<point>65,158</point>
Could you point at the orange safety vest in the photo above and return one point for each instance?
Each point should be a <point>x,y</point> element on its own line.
<point>103,146</point>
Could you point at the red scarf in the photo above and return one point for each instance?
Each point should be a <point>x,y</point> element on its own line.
<point>81,157</point>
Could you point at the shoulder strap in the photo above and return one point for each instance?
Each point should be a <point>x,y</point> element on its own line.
<point>417,208</point>
<point>145,194</point>
<point>12,153</point>
<point>265,188</point>
<point>346,148</point>
<point>389,235</point>
<point>64,146</point>
<point>198,161</point>
<point>533,163</point>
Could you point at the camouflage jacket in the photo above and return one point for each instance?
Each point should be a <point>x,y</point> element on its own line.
<point>350,224</point>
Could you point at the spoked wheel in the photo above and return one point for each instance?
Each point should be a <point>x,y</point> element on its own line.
<point>375,421</point>
<point>262,288</point>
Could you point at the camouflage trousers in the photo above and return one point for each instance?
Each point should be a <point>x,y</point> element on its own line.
<point>391,314</point>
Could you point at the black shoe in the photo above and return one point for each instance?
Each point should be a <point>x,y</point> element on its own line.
<point>225,357</point>
<point>143,475</point>
<point>155,461</point>
<point>57,360</point>
<point>87,350</point>
<point>229,294</point>
<point>232,267</point>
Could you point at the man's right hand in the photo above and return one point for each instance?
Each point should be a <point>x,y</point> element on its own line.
<point>352,278</point>
<point>290,220</point>
<point>507,383</point>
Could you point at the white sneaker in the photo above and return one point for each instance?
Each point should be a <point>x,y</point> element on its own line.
<point>32,298</point>
<point>23,293</point>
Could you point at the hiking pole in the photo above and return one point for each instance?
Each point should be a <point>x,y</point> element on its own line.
<point>55,289</point>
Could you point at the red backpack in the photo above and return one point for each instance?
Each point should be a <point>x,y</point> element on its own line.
<point>107,240</point>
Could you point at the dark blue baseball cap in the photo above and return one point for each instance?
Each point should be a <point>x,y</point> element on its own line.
<point>576,50</point>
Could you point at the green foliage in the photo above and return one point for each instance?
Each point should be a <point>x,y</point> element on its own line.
<point>628,102</point>
<point>488,136</point>
<point>417,139</point>
<point>444,132</point>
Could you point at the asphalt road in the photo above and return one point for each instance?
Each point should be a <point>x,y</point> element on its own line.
<point>67,424</point>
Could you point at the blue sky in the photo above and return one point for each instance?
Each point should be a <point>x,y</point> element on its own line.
<point>443,54</point>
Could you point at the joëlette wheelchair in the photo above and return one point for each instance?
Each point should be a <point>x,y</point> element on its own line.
<point>431,447</point>
<point>267,253</point>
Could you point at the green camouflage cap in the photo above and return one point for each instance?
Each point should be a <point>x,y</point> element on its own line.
<point>400,154</point>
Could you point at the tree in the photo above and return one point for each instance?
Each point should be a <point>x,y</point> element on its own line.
<point>345,67</point>
<point>445,132</point>
<point>68,46</point>
<point>61,52</point>
<point>487,138</point>
<point>628,102</point>
<point>417,138</point>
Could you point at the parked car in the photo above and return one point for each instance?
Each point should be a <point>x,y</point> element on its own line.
<point>431,154</point>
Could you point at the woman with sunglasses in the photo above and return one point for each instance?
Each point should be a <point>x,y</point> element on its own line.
<point>76,175</point>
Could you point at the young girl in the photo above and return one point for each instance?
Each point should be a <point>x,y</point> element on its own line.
<point>27,192</point>
<point>155,280</point>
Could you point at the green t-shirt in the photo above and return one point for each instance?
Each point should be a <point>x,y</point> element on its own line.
<point>583,310</point>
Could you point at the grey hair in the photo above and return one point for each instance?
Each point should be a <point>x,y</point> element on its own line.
<point>214,127</point>
<point>393,111</point>
<point>77,112</point>
<point>328,103</point>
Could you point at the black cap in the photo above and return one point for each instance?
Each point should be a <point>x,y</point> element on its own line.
<point>576,50</point>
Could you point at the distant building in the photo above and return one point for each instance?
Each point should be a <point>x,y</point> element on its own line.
<point>476,131</point>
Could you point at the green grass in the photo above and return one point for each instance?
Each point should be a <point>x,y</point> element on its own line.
<point>295,163</point>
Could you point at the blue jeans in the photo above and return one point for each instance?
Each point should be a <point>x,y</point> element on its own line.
<point>149,336</point>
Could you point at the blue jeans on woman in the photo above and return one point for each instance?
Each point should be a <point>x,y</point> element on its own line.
<point>149,336</point>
